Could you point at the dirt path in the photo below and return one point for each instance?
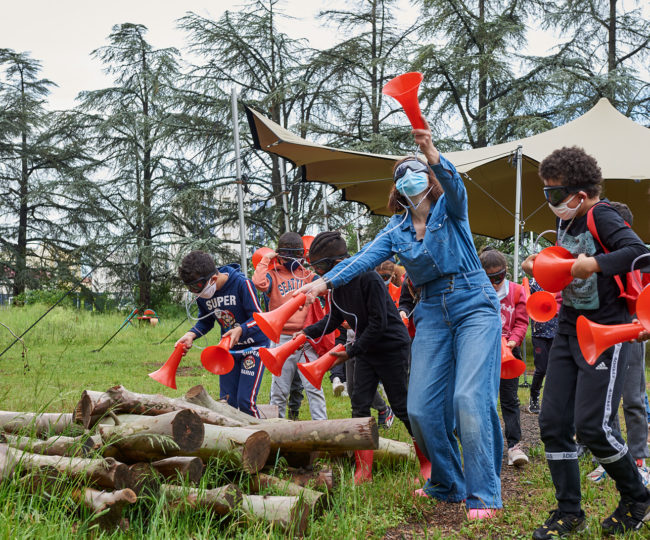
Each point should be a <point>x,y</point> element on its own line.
<point>449,518</point>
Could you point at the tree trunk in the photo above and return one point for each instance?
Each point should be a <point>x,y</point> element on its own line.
<point>144,479</point>
<point>315,499</point>
<point>198,395</point>
<point>153,437</point>
<point>119,399</point>
<point>315,435</point>
<point>106,473</point>
<point>327,479</point>
<point>390,450</point>
<point>290,513</point>
<point>241,447</point>
<point>41,423</point>
<point>189,469</point>
<point>221,500</point>
<point>108,504</point>
<point>54,446</point>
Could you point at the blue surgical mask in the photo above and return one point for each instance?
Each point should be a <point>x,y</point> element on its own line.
<point>412,183</point>
<point>292,266</point>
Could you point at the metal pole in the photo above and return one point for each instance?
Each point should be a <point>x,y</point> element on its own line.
<point>358,227</point>
<point>515,270</point>
<point>283,187</point>
<point>325,221</point>
<point>240,191</point>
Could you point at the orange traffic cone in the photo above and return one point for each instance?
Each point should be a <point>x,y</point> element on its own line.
<point>511,367</point>
<point>217,358</point>
<point>315,371</point>
<point>275,358</point>
<point>363,466</point>
<point>594,338</point>
<point>167,374</point>
<point>404,88</point>
<point>271,323</point>
<point>552,268</point>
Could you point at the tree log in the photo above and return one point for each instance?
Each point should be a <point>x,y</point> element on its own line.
<point>327,479</point>
<point>342,434</point>
<point>54,446</point>
<point>153,437</point>
<point>83,411</point>
<point>391,451</point>
<point>40,423</point>
<point>315,499</point>
<point>240,447</point>
<point>290,513</point>
<point>198,395</point>
<point>221,500</point>
<point>108,504</point>
<point>106,473</point>
<point>119,399</point>
<point>188,468</point>
<point>145,479</point>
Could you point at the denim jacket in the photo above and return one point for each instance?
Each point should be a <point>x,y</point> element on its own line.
<point>447,247</point>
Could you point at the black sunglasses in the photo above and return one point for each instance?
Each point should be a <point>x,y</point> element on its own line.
<point>324,265</point>
<point>199,284</point>
<point>497,277</point>
<point>556,194</point>
<point>413,165</point>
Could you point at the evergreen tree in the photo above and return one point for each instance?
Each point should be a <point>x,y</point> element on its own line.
<point>44,192</point>
<point>145,169</point>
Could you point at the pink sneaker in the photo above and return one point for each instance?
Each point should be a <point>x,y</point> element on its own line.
<point>481,513</point>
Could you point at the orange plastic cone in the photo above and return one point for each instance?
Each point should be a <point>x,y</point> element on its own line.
<point>306,244</point>
<point>594,338</point>
<point>275,358</point>
<point>315,371</point>
<point>262,252</point>
<point>643,308</point>
<point>217,358</point>
<point>404,88</point>
<point>552,268</point>
<point>511,367</point>
<point>167,374</point>
<point>271,323</point>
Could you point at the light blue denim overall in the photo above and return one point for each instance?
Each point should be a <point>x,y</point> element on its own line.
<point>456,353</point>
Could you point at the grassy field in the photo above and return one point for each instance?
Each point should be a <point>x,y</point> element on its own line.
<point>59,364</point>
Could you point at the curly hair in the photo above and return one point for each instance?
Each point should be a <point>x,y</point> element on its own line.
<point>491,257</point>
<point>328,244</point>
<point>573,167</point>
<point>196,264</point>
<point>395,197</point>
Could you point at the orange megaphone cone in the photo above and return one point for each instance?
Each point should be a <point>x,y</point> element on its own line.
<point>272,322</point>
<point>552,268</point>
<point>217,358</point>
<point>404,88</point>
<point>595,338</point>
<point>262,252</point>
<point>167,374</point>
<point>643,308</point>
<point>306,244</point>
<point>511,367</point>
<point>275,358</point>
<point>541,306</point>
<point>315,371</point>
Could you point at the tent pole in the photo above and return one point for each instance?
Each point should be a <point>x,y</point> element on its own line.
<point>515,270</point>
<point>357,228</point>
<point>325,211</point>
<point>240,192</point>
<point>283,187</point>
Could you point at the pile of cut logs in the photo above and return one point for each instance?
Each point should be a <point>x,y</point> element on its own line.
<point>119,443</point>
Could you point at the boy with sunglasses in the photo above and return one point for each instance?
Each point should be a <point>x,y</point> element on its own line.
<point>279,283</point>
<point>581,398</point>
<point>381,342</point>
<point>225,296</point>
<point>514,323</point>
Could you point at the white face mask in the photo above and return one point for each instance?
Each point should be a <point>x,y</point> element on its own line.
<point>208,291</point>
<point>563,211</point>
<point>502,291</point>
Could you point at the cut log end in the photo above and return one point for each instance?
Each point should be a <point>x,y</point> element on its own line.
<point>188,430</point>
<point>256,451</point>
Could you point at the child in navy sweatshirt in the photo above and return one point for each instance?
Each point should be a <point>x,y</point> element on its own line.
<point>224,295</point>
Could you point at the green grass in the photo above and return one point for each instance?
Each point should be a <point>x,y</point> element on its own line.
<point>59,364</point>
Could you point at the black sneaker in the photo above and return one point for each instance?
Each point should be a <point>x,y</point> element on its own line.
<point>560,524</point>
<point>629,516</point>
<point>533,405</point>
<point>293,415</point>
<point>385,418</point>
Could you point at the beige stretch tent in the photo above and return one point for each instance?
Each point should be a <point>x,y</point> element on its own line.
<point>621,146</point>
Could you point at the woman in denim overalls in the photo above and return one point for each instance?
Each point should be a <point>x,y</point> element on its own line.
<point>455,365</point>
